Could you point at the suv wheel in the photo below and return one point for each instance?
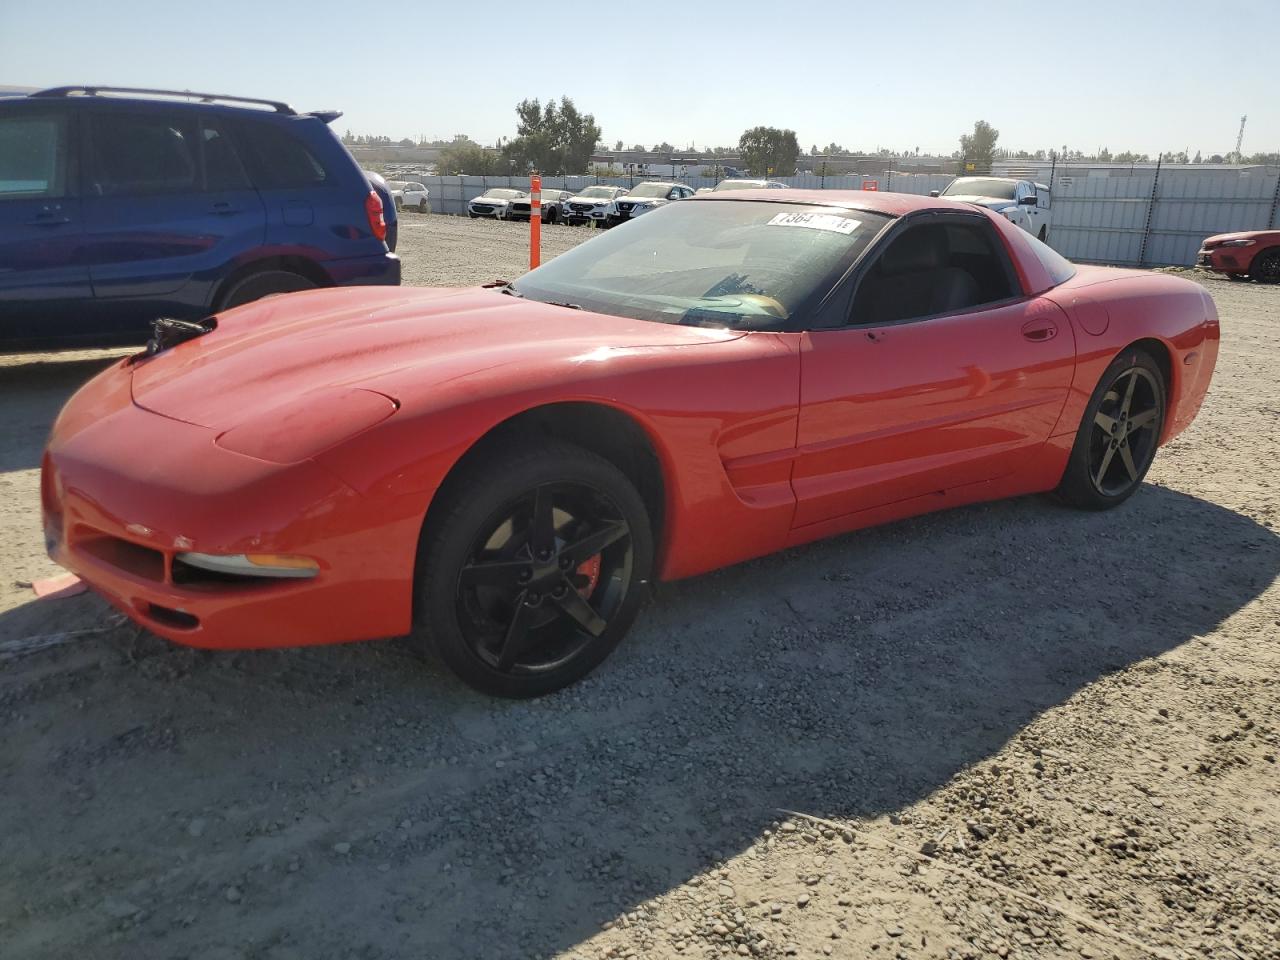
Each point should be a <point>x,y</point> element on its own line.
<point>264,284</point>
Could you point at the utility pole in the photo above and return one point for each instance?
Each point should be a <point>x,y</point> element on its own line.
<point>1240,138</point>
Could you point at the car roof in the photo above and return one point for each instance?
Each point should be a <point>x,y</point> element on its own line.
<point>890,204</point>
<point>186,99</point>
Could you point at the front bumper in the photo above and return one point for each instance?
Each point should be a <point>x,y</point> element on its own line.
<point>1225,259</point>
<point>622,216</point>
<point>487,210</point>
<point>124,491</point>
<point>596,214</point>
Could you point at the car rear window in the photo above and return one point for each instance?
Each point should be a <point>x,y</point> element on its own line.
<point>1059,267</point>
<point>278,160</point>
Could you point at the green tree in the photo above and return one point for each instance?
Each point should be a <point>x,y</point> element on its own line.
<point>768,151</point>
<point>553,138</point>
<point>472,160</point>
<point>979,147</point>
<point>618,147</point>
<point>663,147</point>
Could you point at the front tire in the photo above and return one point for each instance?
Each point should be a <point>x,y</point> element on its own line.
<point>1266,267</point>
<point>532,569</point>
<point>1118,435</point>
<point>424,207</point>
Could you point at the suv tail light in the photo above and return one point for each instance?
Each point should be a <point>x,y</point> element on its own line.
<point>373,208</point>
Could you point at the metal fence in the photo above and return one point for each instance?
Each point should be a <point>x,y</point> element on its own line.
<point>1129,216</point>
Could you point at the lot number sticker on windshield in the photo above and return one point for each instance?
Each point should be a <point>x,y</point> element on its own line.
<point>816,221</point>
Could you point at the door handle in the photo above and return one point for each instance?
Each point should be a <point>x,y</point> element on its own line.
<point>50,219</point>
<point>1037,331</point>
<point>222,208</point>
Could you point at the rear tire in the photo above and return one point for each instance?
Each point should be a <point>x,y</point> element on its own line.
<point>399,204</point>
<point>1043,236</point>
<point>264,284</point>
<point>1266,267</point>
<point>1118,435</point>
<point>520,608</point>
<point>424,207</point>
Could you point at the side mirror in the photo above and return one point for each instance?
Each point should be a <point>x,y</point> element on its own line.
<point>934,193</point>
<point>1029,201</point>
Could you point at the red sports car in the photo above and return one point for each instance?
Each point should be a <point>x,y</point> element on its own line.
<point>1254,254</point>
<point>501,471</point>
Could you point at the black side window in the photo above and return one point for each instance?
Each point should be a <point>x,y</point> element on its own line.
<point>142,154</point>
<point>934,268</point>
<point>277,160</point>
<point>222,167</point>
<point>33,156</point>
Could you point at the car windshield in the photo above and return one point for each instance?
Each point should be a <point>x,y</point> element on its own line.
<point>981,187</point>
<point>597,193</point>
<point>506,194</point>
<point>738,185</point>
<point>739,264</point>
<point>650,190</point>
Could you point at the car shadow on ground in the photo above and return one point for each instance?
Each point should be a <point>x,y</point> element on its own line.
<point>359,804</point>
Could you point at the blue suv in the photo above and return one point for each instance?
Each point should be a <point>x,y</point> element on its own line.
<point>120,205</point>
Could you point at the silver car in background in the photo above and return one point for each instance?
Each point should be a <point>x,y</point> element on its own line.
<point>520,209</point>
<point>644,197</point>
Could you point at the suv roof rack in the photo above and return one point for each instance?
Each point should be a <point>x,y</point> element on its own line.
<point>204,97</point>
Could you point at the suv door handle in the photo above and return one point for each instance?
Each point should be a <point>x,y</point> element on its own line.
<point>223,207</point>
<point>48,218</point>
<point>1037,331</point>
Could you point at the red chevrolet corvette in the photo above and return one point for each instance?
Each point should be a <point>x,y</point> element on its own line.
<point>499,471</point>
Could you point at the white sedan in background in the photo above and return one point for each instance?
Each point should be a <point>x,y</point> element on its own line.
<point>495,203</point>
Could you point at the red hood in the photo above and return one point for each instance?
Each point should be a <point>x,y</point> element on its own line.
<point>271,352</point>
<point>1262,236</point>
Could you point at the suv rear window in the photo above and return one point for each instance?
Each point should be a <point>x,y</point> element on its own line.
<point>277,160</point>
<point>33,156</point>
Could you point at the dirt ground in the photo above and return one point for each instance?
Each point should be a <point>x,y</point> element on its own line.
<point>1027,731</point>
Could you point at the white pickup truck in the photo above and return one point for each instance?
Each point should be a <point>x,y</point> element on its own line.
<point>1023,202</point>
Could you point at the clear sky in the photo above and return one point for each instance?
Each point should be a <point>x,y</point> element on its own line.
<point>1147,76</point>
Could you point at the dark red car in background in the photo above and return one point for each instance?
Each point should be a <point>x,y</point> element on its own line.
<point>1253,253</point>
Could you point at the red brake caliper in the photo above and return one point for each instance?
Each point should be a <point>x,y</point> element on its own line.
<point>591,570</point>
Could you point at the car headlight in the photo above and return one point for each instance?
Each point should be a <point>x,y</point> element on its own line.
<point>275,565</point>
<point>1239,243</point>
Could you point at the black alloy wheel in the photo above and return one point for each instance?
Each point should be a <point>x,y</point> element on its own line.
<point>1119,434</point>
<point>543,577</point>
<point>533,571</point>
